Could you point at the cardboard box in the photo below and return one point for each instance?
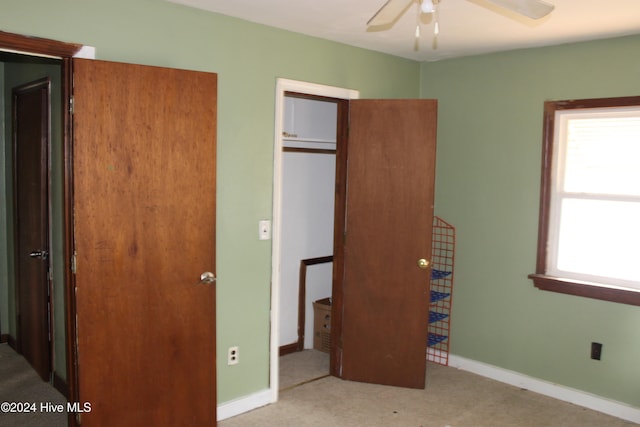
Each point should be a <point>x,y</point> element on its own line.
<point>322,325</point>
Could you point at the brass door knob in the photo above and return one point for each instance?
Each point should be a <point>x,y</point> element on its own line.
<point>423,263</point>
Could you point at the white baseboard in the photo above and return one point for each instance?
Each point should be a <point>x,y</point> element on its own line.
<point>566,394</point>
<point>244,404</point>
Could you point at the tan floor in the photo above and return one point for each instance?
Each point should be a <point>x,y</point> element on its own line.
<point>303,366</point>
<point>452,398</point>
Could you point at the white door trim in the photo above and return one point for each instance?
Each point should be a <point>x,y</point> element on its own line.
<point>282,86</point>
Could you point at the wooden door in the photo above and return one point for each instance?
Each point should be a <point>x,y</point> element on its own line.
<point>31,223</point>
<point>381,332</point>
<point>144,169</point>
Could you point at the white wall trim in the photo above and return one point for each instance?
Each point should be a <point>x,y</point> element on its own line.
<point>282,86</point>
<point>243,404</point>
<point>86,52</point>
<point>556,391</point>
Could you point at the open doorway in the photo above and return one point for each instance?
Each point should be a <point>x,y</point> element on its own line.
<point>384,198</point>
<point>307,117</point>
<point>306,233</point>
<point>32,317</point>
<point>26,59</point>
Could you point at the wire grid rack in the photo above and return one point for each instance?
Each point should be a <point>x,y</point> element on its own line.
<point>443,243</point>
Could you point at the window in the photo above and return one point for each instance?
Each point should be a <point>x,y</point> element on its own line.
<point>589,229</point>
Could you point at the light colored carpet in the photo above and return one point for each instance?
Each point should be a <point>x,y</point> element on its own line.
<point>300,367</point>
<point>19,383</point>
<point>452,398</point>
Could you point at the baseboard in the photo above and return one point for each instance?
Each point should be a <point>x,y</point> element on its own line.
<point>244,404</point>
<point>566,394</point>
<point>4,338</point>
<point>288,349</point>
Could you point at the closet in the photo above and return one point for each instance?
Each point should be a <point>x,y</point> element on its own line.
<point>390,176</point>
<point>307,206</point>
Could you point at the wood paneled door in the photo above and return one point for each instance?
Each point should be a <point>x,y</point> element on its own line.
<point>144,198</point>
<point>31,223</point>
<point>384,221</point>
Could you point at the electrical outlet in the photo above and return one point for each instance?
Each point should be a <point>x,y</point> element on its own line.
<point>596,350</point>
<point>233,355</point>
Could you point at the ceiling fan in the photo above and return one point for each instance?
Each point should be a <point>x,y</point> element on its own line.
<point>392,9</point>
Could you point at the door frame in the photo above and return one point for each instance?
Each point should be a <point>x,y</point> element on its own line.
<point>313,89</point>
<point>36,46</point>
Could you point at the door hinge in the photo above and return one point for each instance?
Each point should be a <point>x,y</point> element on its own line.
<point>71,105</point>
<point>74,265</point>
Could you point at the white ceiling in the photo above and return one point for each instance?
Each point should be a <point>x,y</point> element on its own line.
<point>467,27</point>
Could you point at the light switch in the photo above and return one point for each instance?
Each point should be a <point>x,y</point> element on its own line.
<point>264,229</point>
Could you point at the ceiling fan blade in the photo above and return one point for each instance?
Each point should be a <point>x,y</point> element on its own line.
<point>534,9</point>
<point>389,12</point>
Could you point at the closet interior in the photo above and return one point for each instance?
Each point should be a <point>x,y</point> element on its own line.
<point>306,248</point>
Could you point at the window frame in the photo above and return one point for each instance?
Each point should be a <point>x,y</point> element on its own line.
<point>541,278</point>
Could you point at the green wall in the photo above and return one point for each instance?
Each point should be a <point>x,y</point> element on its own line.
<point>487,185</point>
<point>248,58</point>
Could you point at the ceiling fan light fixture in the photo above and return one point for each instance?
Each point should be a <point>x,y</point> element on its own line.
<point>427,6</point>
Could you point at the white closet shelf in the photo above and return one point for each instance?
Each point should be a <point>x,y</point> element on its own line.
<point>314,140</point>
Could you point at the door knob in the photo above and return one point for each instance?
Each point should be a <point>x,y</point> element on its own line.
<point>207,277</point>
<point>39,254</point>
<point>423,263</point>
